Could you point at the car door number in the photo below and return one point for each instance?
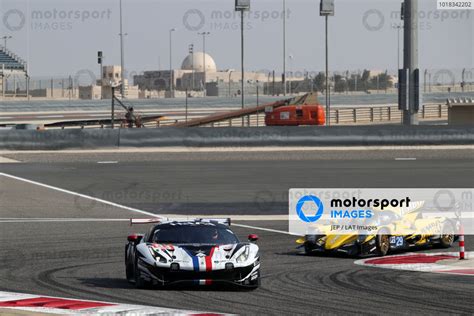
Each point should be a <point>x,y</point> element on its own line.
<point>396,241</point>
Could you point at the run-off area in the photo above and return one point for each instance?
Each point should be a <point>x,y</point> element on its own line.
<point>53,244</point>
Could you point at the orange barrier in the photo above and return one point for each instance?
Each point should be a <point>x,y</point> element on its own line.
<point>296,115</point>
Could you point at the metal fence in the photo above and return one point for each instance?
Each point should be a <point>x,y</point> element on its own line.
<point>341,116</point>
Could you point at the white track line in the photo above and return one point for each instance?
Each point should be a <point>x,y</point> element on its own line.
<point>7,160</point>
<point>122,206</point>
<point>242,149</point>
<point>405,159</point>
<point>61,220</point>
<point>266,229</point>
<point>80,195</point>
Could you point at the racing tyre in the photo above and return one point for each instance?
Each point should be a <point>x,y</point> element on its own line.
<point>129,273</point>
<point>255,284</point>
<point>446,239</point>
<point>307,249</point>
<point>383,244</point>
<point>139,282</point>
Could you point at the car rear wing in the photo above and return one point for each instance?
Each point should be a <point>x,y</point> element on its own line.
<point>222,221</point>
<point>145,221</point>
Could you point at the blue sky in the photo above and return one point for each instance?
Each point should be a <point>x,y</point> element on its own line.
<point>62,37</point>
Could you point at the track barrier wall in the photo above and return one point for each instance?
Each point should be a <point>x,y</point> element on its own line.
<point>236,137</point>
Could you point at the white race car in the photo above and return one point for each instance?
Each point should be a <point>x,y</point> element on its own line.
<point>200,251</point>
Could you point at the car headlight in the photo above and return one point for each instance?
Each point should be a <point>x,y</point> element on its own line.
<point>244,255</point>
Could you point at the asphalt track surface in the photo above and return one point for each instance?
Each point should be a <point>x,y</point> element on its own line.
<point>85,259</point>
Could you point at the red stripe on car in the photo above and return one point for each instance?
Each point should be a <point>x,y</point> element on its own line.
<point>209,260</point>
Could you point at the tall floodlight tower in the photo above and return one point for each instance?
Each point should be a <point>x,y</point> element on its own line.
<point>171,63</point>
<point>100,60</point>
<point>122,54</point>
<point>5,40</point>
<point>204,79</point>
<point>242,6</point>
<point>327,10</point>
<point>410,99</point>
<point>284,48</point>
<point>191,53</point>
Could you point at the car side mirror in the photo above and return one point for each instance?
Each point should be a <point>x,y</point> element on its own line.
<point>135,238</point>
<point>253,238</point>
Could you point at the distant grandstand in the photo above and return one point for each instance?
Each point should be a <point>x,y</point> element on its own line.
<point>10,61</point>
<point>12,69</point>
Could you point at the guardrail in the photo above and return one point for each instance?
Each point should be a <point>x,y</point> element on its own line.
<point>342,116</point>
<point>384,114</point>
<point>389,114</point>
<point>236,137</point>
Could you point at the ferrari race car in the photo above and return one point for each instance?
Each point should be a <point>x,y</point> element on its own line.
<point>200,252</point>
<point>396,231</point>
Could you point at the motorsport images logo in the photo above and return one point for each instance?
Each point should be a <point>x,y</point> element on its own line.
<point>309,202</point>
<point>380,211</point>
<point>353,208</point>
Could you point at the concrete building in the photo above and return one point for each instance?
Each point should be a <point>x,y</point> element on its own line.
<point>192,77</point>
<point>461,112</point>
<point>90,93</point>
<point>111,77</point>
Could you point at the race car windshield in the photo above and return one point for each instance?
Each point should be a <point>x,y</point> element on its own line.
<point>194,235</point>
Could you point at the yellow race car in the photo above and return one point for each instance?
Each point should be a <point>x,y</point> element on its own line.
<point>396,230</point>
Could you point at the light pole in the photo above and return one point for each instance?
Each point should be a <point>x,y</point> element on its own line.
<point>326,10</point>
<point>284,48</point>
<point>289,81</point>
<point>429,82</point>
<point>424,81</point>
<point>5,39</point>
<point>191,53</point>
<point>242,6</point>
<point>356,82</point>
<point>411,83</point>
<point>347,82</point>
<point>100,60</point>
<point>463,77</point>
<point>268,83</point>
<point>249,82</point>
<point>204,59</point>
<point>171,62</point>
<point>258,102</point>
<point>398,27</point>
<point>230,76</point>
<point>122,55</point>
